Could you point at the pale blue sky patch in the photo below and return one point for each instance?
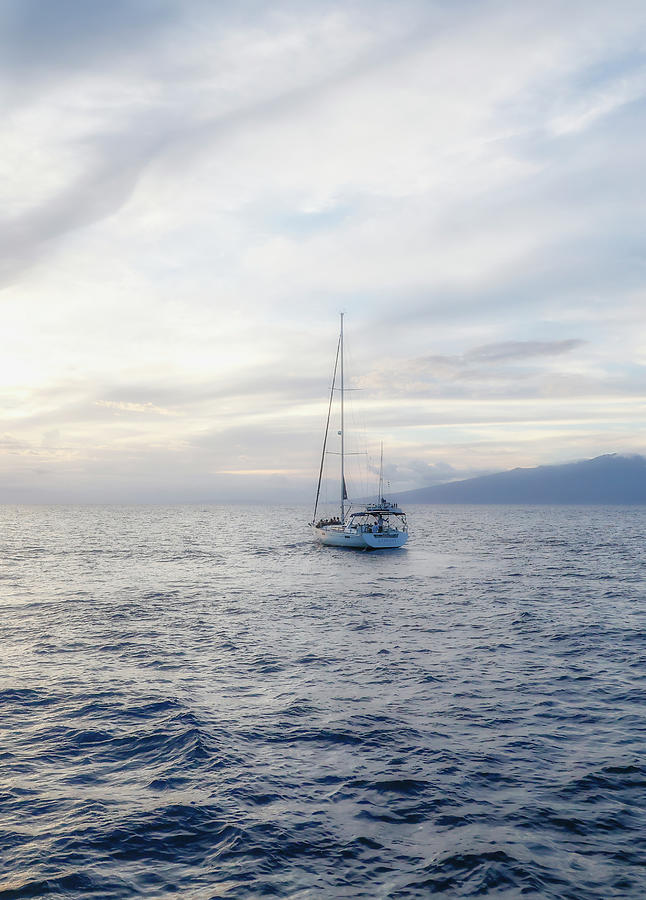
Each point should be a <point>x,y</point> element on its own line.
<point>301,223</point>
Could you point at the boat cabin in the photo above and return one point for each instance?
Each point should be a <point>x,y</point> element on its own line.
<point>376,518</point>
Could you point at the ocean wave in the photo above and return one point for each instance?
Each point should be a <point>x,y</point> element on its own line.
<point>182,719</point>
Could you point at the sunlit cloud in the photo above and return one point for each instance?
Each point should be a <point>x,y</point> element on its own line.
<point>124,406</point>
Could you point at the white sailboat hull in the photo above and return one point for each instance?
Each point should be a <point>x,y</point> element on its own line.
<point>338,536</point>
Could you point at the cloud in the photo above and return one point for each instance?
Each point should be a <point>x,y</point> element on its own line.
<point>133,132</point>
<point>481,370</point>
<point>514,350</point>
<point>92,196</point>
<point>169,123</point>
<point>129,407</point>
<point>191,191</point>
<point>414,472</point>
<point>470,364</point>
<point>41,39</point>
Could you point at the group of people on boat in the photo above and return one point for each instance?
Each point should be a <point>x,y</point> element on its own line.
<point>376,527</point>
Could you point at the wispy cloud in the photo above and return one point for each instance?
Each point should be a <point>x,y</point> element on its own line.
<point>471,362</point>
<point>44,41</point>
<point>126,406</point>
<point>514,350</point>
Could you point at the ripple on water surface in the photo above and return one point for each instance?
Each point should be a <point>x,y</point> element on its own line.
<point>183,718</point>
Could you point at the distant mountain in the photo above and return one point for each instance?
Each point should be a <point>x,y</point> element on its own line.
<point>608,479</point>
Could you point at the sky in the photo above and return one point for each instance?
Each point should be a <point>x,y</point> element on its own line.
<point>191,191</point>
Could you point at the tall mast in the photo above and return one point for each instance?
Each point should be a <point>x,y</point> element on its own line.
<point>327,428</point>
<point>381,473</point>
<point>343,494</point>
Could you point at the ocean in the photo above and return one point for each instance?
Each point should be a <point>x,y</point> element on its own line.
<point>199,702</point>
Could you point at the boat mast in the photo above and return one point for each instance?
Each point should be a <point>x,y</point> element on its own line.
<point>343,492</point>
<point>381,474</point>
<point>327,427</point>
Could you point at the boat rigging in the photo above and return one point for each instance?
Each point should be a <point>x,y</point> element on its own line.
<point>379,525</point>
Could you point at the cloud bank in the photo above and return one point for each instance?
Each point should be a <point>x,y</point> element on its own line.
<point>192,191</point>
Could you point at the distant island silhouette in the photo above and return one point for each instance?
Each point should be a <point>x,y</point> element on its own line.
<point>609,479</point>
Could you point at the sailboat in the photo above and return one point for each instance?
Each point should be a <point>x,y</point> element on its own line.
<point>374,526</point>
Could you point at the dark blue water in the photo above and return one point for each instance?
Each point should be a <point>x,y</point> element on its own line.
<point>201,703</point>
